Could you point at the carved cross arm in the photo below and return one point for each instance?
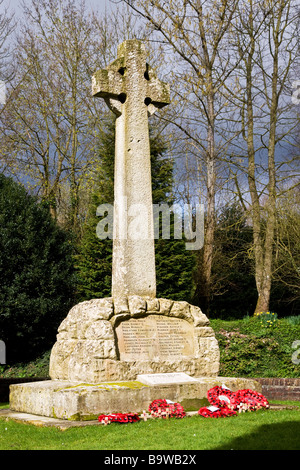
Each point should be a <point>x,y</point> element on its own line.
<point>109,82</point>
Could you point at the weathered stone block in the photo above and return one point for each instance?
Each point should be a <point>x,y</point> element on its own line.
<point>78,401</point>
<point>199,318</point>
<point>165,306</point>
<point>96,342</point>
<point>137,305</point>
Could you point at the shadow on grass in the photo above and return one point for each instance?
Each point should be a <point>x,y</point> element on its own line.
<point>277,436</point>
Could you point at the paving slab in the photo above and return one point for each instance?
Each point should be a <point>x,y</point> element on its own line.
<point>62,424</point>
<point>44,421</point>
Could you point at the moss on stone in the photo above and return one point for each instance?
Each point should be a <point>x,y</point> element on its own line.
<point>81,417</point>
<point>134,384</point>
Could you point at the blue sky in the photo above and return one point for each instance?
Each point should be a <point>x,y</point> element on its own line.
<point>96,4</point>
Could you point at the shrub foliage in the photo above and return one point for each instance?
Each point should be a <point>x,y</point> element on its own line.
<point>250,349</point>
<point>36,273</point>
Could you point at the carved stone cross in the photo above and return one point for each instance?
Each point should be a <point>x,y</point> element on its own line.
<point>132,91</point>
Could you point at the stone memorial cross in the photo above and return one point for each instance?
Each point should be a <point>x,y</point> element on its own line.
<point>131,89</point>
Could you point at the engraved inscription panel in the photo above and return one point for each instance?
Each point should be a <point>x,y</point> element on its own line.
<point>155,337</point>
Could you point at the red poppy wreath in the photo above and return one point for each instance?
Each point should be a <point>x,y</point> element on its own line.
<point>214,412</point>
<point>225,402</point>
<point>161,408</point>
<point>220,396</point>
<point>119,418</point>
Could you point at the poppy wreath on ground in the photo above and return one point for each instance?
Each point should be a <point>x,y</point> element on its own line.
<point>119,418</point>
<point>251,400</point>
<point>161,408</point>
<point>223,412</point>
<point>241,400</point>
<point>221,397</point>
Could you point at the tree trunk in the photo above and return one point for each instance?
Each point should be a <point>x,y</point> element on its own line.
<point>263,238</point>
<point>203,287</point>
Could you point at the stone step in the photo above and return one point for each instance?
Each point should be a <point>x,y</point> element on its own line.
<point>85,402</point>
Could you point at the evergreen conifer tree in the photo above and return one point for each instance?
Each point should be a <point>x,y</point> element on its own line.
<point>36,269</point>
<point>232,267</point>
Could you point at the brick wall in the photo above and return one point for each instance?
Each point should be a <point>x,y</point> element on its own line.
<point>280,389</point>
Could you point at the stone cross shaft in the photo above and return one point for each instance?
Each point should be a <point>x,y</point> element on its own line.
<point>132,91</point>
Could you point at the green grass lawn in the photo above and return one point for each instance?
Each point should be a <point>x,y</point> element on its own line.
<point>260,430</point>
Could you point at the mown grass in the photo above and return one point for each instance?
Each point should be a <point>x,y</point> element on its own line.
<point>260,430</point>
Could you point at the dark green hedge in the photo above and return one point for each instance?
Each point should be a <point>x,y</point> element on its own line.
<point>36,271</point>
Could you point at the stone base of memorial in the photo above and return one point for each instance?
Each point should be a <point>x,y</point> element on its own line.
<point>102,340</point>
<point>77,401</point>
<point>115,357</point>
